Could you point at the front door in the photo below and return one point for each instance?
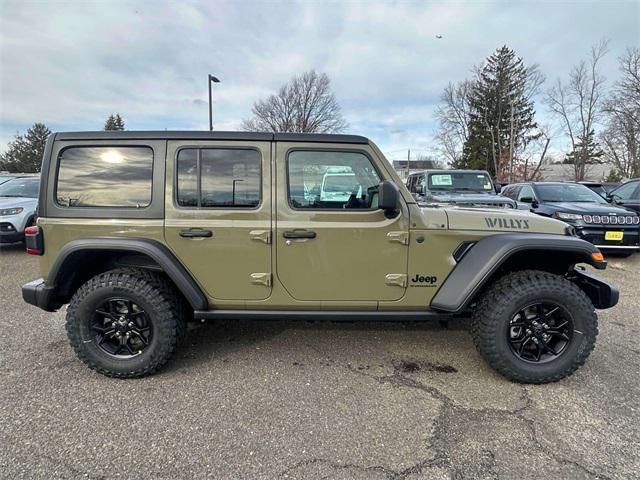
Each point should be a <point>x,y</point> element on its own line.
<point>332,242</point>
<point>218,215</point>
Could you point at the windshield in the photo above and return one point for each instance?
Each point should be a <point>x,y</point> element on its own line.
<point>470,181</point>
<point>20,187</point>
<point>567,193</point>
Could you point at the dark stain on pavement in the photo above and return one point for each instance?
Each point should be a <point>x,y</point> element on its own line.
<point>409,366</point>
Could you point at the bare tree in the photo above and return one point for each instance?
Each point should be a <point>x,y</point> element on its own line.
<point>578,104</point>
<point>453,116</point>
<point>305,104</point>
<point>621,137</point>
<point>534,156</point>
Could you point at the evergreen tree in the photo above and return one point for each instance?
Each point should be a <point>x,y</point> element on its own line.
<point>114,122</point>
<point>586,152</point>
<point>24,153</point>
<point>501,120</point>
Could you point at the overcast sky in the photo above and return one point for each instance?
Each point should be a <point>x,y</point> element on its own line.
<point>70,64</point>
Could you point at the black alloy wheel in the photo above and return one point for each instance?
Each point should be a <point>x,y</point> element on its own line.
<point>540,332</point>
<point>121,328</point>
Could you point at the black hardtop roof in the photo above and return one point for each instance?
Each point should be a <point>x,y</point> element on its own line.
<point>214,135</point>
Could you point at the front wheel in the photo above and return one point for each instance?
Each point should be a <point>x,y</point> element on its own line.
<point>125,323</point>
<point>534,327</point>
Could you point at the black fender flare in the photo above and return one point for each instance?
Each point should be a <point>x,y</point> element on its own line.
<point>490,253</point>
<point>158,252</point>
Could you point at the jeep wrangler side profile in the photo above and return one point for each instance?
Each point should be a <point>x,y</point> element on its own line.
<point>141,232</point>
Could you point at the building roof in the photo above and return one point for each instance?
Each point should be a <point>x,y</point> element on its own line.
<point>414,164</point>
<point>563,171</point>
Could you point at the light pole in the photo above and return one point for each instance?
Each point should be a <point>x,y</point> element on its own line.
<point>213,79</point>
<point>233,191</point>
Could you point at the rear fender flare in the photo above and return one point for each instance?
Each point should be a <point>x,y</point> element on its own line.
<point>159,253</point>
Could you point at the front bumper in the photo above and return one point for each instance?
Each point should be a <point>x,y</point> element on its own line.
<point>630,241</point>
<point>41,295</point>
<point>602,294</point>
<point>9,233</point>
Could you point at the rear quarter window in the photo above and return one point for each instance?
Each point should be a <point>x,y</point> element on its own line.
<point>119,176</point>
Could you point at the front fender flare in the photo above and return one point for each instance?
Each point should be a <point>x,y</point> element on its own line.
<point>490,253</point>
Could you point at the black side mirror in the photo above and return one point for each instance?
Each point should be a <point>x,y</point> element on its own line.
<point>497,187</point>
<point>531,200</point>
<point>388,196</point>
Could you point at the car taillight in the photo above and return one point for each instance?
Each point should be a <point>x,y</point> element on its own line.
<point>33,240</point>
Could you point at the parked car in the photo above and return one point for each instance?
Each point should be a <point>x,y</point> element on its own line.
<point>5,177</point>
<point>600,188</point>
<point>609,227</point>
<point>461,187</point>
<point>140,232</point>
<point>627,195</point>
<point>18,204</point>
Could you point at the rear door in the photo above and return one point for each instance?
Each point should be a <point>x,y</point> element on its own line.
<point>341,248</point>
<point>218,215</point>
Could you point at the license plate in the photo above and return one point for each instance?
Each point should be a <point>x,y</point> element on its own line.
<point>613,236</point>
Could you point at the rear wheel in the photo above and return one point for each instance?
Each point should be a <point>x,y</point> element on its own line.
<point>534,327</point>
<point>125,323</point>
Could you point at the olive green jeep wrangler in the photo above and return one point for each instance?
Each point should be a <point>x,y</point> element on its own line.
<point>141,232</point>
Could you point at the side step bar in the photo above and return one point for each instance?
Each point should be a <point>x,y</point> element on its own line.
<point>334,315</point>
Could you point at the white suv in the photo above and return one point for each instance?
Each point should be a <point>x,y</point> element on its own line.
<point>18,203</point>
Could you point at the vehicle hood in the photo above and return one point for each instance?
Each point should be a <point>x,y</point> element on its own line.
<point>14,202</point>
<point>587,208</point>
<point>502,220</point>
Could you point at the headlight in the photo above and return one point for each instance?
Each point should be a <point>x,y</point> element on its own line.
<point>10,211</point>
<point>568,216</point>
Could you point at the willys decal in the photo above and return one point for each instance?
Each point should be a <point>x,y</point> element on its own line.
<point>513,223</point>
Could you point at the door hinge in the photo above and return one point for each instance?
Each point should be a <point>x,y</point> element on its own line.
<point>397,279</point>
<point>400,237</point>
<point>263,236</point>
<point>261,279</point>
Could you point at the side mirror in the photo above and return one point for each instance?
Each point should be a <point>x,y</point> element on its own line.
<point>531,200</point>
<point>420,189</point>
<point>388,196</point>
<point>497,187</point>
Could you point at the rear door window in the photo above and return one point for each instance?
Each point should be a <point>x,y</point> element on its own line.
<point>218,178</point>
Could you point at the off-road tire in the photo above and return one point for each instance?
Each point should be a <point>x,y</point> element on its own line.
<point>153,292</point>
<point>500,302</point>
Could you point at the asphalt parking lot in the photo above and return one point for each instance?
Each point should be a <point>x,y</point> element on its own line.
<point>314,400</point>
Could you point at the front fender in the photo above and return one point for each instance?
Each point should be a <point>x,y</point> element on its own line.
<point>481,261</point>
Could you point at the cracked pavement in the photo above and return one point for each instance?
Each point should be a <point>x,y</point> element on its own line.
<point>300,400</point>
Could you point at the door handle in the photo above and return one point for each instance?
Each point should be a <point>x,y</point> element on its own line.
<point>196,233</point>
<point>299,234</point>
